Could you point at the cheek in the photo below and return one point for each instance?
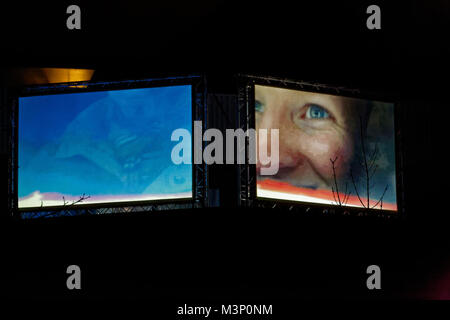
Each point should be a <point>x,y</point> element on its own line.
<point>322,148</point>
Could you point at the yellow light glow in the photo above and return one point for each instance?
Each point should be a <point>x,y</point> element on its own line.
<point>32,76</point>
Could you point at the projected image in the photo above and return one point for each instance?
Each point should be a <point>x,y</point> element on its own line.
<point>332,149</point>
<point>102,147</point>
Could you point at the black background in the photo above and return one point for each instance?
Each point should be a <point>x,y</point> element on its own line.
<point>229,254</point>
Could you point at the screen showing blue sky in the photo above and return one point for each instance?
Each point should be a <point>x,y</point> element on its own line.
<point>111,146</point>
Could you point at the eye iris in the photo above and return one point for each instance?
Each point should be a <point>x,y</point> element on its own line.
<point>258,106</point>
<point>316,112</point>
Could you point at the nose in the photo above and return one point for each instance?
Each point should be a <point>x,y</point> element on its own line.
<point>290,155</point>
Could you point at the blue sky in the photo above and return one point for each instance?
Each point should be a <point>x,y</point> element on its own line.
<point>102,143</point>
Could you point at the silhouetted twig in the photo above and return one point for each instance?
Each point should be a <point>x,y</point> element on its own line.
<point>370,168</point>
<point>335,189</point>
<point>66,206</point>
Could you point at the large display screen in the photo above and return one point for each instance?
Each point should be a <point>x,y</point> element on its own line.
<point>102,147</point>
<point>331,149</point>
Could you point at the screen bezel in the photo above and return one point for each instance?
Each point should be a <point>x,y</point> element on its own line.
<point>247,172</point>
<point>199,178</point>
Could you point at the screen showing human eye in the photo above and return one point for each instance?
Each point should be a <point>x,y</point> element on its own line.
<point>102,147</point>
<point>332,149</point>
<point>316,112</point>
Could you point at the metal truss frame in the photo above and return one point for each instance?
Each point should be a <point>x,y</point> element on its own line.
<point>199,173</point>
<point>12,115</point>
<point>200,113</point>
<point>246,118</point>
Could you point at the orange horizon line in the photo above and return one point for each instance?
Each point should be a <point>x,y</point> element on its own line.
<point>285,187</point>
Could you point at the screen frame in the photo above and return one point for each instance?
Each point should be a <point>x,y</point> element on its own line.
<point>247,172</point>
<point>199,172</point>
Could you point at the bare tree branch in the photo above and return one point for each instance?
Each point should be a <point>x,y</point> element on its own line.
<point>66,206</point>
<point>347,194</point>
<point>370,168</point>
<point>381,199</point>
<point>356,189</point>
<point>333,166</point>
<point>374,156</point>
<point>334,196</point>
<point>373,171</point>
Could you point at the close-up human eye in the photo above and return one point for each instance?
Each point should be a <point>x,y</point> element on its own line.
<point>315,111</point>
<point>259,107</point>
